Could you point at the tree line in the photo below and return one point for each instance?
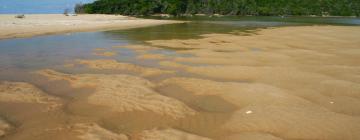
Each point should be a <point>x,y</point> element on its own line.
<point>224,7</point>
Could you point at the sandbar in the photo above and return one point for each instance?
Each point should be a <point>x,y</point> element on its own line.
<point>45,24</point>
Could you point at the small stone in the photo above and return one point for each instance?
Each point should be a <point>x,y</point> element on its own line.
<point>248,112</point>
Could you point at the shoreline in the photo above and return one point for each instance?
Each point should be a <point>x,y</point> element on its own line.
<point>219,15</point>
<point>49,24</point>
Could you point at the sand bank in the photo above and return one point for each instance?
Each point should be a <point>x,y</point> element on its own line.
<point>168,134</point>
<point>124,93</point>
<point>81,131</point>
<point>283,110</point>
<point>109,64</point>
<point>103,52</point>
<point>4,126</point>
<point>276,84</point>
<point>19,92</point>
<point>43,24</point>
<point>283,80</point>
<point>95,132</point>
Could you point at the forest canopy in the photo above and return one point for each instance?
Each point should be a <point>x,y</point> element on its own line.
<point>225,7</point>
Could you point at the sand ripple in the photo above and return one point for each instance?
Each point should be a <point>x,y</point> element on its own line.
<point>20,92</point>
<point>95,132</point>
<point>122,93</point>
<point>288,116</point>
<point>252,136</point>
<point>114,65</point>
<point>4,126</point>
<point>169,134</point>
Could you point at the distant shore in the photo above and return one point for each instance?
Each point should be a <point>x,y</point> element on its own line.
<point>44,24</point>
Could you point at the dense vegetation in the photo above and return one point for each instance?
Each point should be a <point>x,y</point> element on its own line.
<point>226,7</point>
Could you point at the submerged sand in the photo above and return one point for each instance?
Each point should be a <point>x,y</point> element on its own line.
<point>95,132</point>
<point>124,93</point>
<point>275,84</point>
<point>110,64</point>
<point>168,134</point>
<point>20,92</point>
<point>44,24</point>
<point>4,127</point>
<point>291,82</point>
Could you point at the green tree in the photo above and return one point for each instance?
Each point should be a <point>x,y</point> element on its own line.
<point>225,7</point>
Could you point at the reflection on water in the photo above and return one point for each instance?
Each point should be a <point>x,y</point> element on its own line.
<point>291,19</point>
<point>199,25</point>
<point>192,29</point>
<point>53,50</point>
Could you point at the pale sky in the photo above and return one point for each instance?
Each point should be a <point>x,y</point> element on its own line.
<point>37,6</point>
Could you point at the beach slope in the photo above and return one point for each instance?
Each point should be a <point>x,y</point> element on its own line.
<point>44,24</point>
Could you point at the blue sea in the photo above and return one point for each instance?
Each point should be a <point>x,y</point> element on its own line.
<point>37,6</point>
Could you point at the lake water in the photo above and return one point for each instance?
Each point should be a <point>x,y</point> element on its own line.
<point>22,56</point>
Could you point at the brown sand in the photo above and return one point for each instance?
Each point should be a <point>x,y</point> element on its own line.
<point>114,65</point>
<point>252,136</point>
<point>151,56</point>
<point>276,84</point>
<point>124,93</point>
<point>19,92</point>
<point>289,82</point>
<point>43,24</point>
<point>107,53</point>
<point>95,132</point>
<point>168,134</point>
<point>4,126</point>
<point>288,116</point>
<point>103,52</point>
<point>83,131</point>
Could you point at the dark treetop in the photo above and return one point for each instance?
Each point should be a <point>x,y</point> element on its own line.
<point>225,7</point>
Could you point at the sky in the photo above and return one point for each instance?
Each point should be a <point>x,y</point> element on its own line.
<point>37,6</point>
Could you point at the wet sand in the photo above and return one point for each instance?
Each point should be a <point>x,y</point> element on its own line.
<point>4,127</point>
<point>276,84</point>
<point>45,24</point>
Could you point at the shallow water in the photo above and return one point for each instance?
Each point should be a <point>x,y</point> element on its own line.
<point>20,58</point>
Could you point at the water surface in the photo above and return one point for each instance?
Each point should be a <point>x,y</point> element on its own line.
<point>55,50</point>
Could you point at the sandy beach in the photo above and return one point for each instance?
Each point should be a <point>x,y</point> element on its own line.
<point>45,24</point>
<point>278,83</point>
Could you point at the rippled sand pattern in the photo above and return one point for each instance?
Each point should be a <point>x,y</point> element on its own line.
<point>124,93</point>
<point>4,126</point>
<point>287,83</point>
<point>114,65</point>
<point>168,134</point>
<point>95,132</point>
<point>20,92</point>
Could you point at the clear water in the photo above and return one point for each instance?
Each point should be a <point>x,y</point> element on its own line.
<point>42,51</point>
